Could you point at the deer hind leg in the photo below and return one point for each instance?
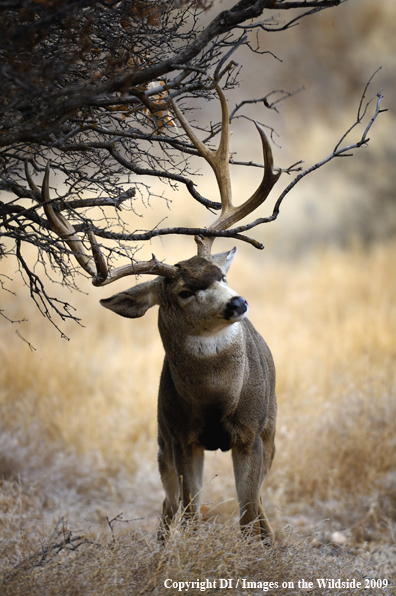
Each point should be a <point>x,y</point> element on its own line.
<point>251,466</point>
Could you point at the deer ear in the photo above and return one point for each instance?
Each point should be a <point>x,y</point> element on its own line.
<point>136,301</point>
<point>224,259</point>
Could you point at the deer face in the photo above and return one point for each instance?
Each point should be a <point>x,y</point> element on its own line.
<point>196,300</point>
<point>200,298</point>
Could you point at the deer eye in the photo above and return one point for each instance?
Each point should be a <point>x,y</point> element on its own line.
<point>224,278</point>
<point>185,294</point>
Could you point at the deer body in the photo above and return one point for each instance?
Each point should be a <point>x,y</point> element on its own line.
<point>217,387</point>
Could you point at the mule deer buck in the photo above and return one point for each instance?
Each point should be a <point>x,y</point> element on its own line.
<point>217,387</point>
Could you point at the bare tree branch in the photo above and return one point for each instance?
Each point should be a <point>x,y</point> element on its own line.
<point>88,85</point>
<point>338,152</point>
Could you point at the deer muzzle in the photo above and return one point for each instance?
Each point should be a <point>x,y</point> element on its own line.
<point>236,309</point>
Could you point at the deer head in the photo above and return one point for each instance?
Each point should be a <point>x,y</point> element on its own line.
<point>195,301</point>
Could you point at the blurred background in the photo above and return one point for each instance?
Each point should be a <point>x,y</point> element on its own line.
<point>78,417</point>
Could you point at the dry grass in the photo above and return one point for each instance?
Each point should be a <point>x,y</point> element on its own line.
<point>133,564</point>
<point>78,442</point>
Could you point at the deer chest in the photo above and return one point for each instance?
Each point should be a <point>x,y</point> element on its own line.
<point>214,435</point>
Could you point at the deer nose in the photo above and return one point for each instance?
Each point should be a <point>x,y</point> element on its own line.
<point>236,309</point>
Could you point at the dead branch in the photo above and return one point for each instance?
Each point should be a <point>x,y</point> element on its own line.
<point>76,92</point>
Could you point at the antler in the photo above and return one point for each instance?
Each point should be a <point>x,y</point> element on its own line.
<point>219,161</point>
<point>95,264</point>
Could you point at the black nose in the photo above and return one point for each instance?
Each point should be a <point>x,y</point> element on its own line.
<point>236,307</point>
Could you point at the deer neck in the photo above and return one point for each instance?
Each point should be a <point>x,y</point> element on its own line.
<point>208,369</point>
<point>181,344</point>
<point>212,344</point>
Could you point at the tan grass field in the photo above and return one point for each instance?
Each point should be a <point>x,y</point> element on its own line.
<point>80,491</point>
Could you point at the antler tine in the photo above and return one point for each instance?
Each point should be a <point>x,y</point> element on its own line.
<point>219,159</point>
<point>32,185</point>
<point>66,231</point>
<point>100,275</point>
<point>223,152</point>
<point>259,196</point>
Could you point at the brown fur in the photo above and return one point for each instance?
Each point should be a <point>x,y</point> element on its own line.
<point>217,388</point>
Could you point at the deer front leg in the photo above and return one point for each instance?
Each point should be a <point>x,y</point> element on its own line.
<point>251,466</point>
<point>189,462</point>
<point>181,473</point>
<point>170,483</point>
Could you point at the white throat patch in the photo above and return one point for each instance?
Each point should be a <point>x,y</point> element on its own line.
<point>209,345</point>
